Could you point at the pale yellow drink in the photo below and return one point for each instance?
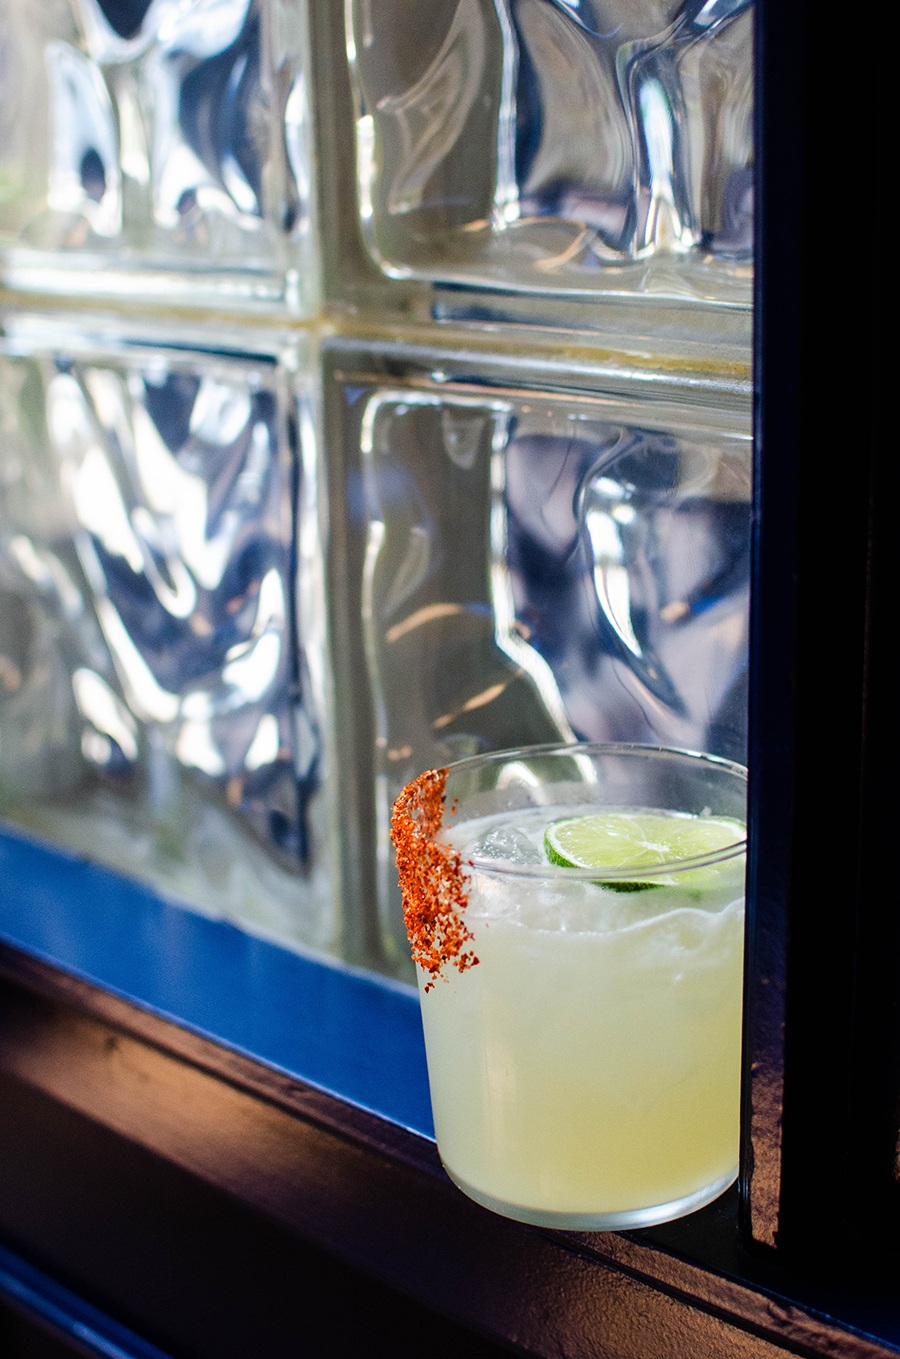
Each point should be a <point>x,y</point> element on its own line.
<point>582,1024</point>
<point>589,1065</point>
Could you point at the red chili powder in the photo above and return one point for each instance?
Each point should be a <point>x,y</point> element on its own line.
<point>431,878</point>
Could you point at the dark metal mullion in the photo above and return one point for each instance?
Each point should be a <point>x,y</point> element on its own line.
<point>772,631</point>
<point>813,470</point>
<point>875,1090</point>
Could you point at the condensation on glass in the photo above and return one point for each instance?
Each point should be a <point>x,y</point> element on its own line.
<point>156,139</point>
<point>538,565</point>
<point>161,669</point>
<point>562,146</point>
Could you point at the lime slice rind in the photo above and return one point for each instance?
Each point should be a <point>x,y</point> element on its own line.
<point>614,884</point>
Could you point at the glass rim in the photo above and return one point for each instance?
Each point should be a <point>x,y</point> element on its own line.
<point>625,872</point>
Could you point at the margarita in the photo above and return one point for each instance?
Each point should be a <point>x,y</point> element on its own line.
<point>582,996</point>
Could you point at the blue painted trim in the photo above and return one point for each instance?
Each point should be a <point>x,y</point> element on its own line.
<point>342,1031</point>
<point>47,1302</point>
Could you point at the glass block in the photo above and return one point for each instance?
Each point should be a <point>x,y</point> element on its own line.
<point>528,561</point>
<point>159,150</point>
<point>568,147</point>
<point>162,676</point>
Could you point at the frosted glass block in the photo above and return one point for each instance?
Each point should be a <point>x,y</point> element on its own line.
<point>162,672</point>
<point>159,150</point>
<point>531,561</point>
<point>569,147</point>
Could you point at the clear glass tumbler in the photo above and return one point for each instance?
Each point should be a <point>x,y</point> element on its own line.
<point>576,917</point>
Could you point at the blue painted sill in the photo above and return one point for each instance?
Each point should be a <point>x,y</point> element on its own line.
<point>342,1031</point>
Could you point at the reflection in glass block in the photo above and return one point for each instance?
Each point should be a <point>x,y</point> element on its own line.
<point>160,134</point>
<point>542,566</point>
<point>157,709</point>
<point>557,146</point>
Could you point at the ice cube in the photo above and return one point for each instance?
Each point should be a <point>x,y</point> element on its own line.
<point>510,844</point>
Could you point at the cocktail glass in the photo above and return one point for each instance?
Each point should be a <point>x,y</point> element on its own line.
<point>582,1024</point>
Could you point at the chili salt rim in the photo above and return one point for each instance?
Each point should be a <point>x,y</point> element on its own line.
<point>431,878</point>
